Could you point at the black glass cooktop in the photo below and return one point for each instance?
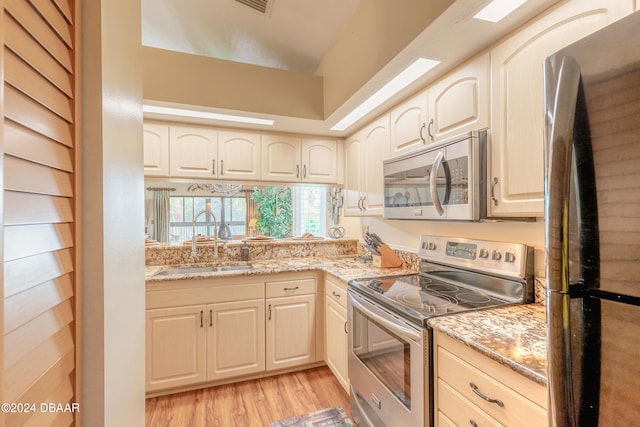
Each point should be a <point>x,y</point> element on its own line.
<point>422,297</point>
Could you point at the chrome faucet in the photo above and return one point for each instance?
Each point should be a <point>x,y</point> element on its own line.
<point>194,250</point>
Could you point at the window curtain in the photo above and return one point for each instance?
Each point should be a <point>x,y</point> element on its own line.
<point>161,215</point>
<point>252,213</point>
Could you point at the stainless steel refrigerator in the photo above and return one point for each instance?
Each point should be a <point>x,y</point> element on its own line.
<point>592,214</point>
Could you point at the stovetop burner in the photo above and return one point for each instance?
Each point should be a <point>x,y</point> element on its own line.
<point>456,275</point>
<point>423,297</point>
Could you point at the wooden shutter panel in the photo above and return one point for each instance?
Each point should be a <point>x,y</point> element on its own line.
<point>39,137</point>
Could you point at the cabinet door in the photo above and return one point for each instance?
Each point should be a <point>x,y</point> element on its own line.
<point>156,149</point>
<point>337,341</point>
<point>291,331</point>
<point>353,176</point>
<point>517,123</point>
<point>235,342</point>
<point>281,158</point>
<point>175,347</point>
<point>320,160</point>
<point>375,149</point>
<point>408,125</point>
<point>240,155</point>
<point>460,102</point>
<point>193,152</point>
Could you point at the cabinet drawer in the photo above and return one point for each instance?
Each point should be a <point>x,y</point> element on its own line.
<point>459,411</point>
<point>516,409</point>
<point>336,292</point>
<point>288,288</point>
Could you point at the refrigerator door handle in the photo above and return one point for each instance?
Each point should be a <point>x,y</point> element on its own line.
<point>562,84</point>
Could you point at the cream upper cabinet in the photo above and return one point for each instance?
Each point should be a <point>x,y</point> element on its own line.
<point>320,160</point>
<point>375,151</point>
<point>281,158</point>
<point>463,375</point>
<point>408,125</point>
<point>459,102</point>
<point>293,159</point>
<point>364,181</point>
<point>353,175</point>
<point>516,170</point>
<point>156,149</point>
<point>169,330</point>
<point>239,155</point>
<point>290,323</point>
<point>235,339</point>
<point>193,152</point>
<point>336,336</point>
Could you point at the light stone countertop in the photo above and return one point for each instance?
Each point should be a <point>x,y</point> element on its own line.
<point>514,336</point>
<point>345,268</point>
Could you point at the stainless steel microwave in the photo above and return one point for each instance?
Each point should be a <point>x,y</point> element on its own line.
<point>442,181</point>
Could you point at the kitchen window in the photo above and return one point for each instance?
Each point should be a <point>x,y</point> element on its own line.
<point>309,213</point>
<point>231,211</point>
<point>310,207</point>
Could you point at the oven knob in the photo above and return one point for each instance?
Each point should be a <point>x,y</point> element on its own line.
<point>509,257</point>
<point>432,246</point>
<point>496,255</point>
<point>484,253</point>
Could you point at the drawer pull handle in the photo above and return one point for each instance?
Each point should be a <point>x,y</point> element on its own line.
<point>473,423</point>
<point>335,294</point>
<point>482,396</point>
<point>291,289</point>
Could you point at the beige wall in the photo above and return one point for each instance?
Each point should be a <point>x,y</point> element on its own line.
<point>375,34</point>
<point>113,248</point>
<point>197,80</point>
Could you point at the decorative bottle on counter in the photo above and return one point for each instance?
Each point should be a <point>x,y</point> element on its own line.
<point>244,252</point>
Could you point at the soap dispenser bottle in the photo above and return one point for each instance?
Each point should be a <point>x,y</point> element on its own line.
<point>244,252</point>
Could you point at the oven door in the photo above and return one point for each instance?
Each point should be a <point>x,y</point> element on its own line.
<point>386,366</point>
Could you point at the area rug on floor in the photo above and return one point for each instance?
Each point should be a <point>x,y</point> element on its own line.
<point>330,417</point>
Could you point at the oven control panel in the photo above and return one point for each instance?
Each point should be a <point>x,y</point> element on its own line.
<point>502,258</point>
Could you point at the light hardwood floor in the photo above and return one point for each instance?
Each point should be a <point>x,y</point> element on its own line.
<point>249,403</point>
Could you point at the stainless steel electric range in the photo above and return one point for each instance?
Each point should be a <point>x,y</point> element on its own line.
<point>390,354</point>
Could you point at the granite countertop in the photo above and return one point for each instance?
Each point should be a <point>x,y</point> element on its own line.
<point>345,268</point>
<point>514,336</point>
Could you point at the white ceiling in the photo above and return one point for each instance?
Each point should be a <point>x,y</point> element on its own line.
<point>292,35</point>
<point>296,34</point>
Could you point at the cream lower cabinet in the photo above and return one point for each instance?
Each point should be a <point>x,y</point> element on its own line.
<point>200,331</point>
<point>516,170</point>
<point>335,329</point>
<point>235,339</point>
<point>463,376</point>
<point>291,323</point>
<point>176,347</point>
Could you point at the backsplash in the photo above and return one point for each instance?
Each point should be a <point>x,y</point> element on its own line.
<point>258,250</point>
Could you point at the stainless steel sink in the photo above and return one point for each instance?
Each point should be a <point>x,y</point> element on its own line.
<point>209,269</point>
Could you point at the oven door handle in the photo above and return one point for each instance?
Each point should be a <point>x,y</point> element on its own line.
<point>433,183</point>
<point>408,333</point>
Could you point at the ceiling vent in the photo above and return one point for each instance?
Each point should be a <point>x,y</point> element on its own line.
<point>261,6</point>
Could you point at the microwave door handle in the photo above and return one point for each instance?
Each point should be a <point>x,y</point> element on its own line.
<point>562,84</point>
<point>433,183</point>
